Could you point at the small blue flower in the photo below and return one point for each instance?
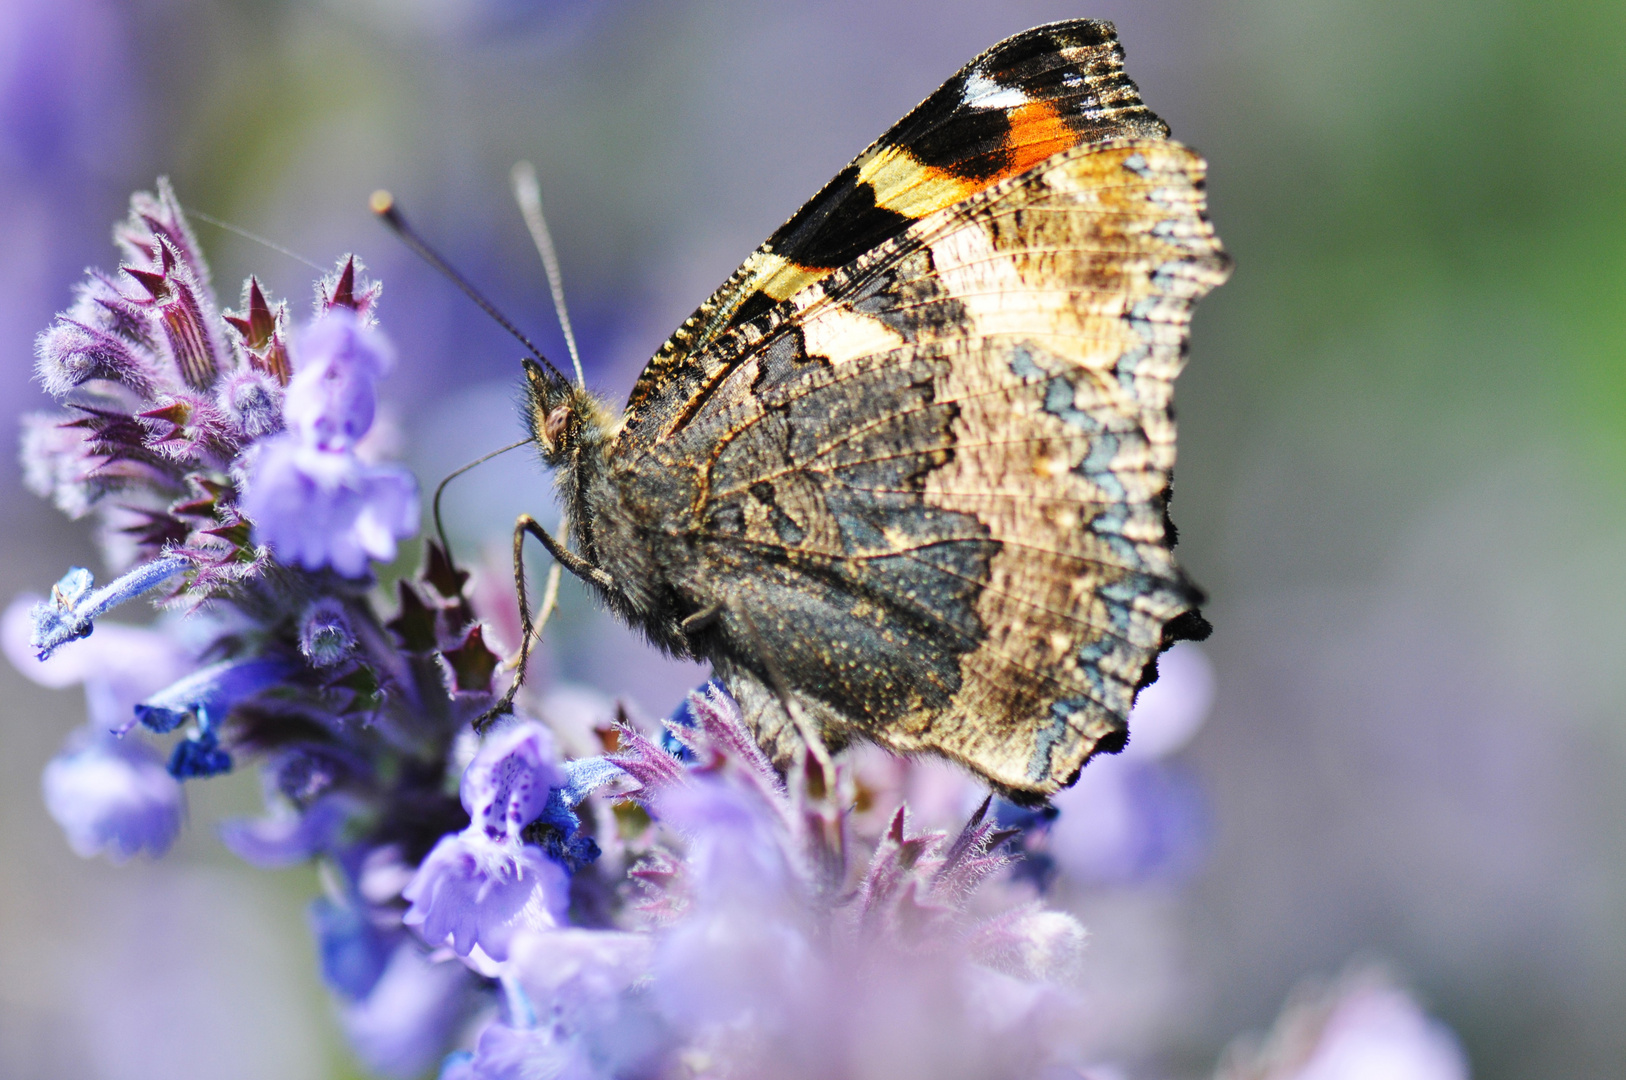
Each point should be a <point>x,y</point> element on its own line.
<point>74,607</point>
<point>199,757</point>
<point>112,797</point>
<point>210,691</point>
<point>318,508</point>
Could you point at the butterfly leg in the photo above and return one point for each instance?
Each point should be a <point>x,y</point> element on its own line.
<point>577,565</point>
<point>701,619</point>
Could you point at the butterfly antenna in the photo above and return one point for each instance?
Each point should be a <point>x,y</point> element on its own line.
<point>528,193</point>
<point>246,235</point>
<point>440,530</point>
<point>383,204</point>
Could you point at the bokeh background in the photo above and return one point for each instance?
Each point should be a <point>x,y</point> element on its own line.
<point>1402,439</point>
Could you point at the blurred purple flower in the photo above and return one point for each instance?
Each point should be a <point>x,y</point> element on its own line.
<point>480,886</point>
<point>404,1023</point>
<point>317,508</point>
<point>65,93</point>
<point>113,797</point>
<point>338,361</point>
<point>1363,1026</point>
<point>285,836</point>
<point>1380,1031</point>
<point>504,1052</point>
<point>352,948</point>
<point>56,463</point>
<point>1134,816</point>
<point>119,666</point>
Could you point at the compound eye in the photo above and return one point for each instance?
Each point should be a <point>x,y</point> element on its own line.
<point>554,426</point>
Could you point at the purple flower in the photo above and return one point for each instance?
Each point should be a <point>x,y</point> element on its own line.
<point>1380,1031</point>
<point>506,786</point>
<point>482,885</point>
<point>113,796</point>
<point>1362,1026</point>
<point>338,361</point>
<point>317,508</point>
<point>470,892</point>
<point>403,1024</point>
<point>352,947</point>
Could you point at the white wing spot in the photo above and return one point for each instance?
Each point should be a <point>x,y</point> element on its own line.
<point>981,92</point>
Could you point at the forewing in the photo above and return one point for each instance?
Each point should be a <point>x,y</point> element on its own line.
<point>929,492</point>
<point>1033,95</point>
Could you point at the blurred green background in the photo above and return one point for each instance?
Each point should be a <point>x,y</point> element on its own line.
<point>1403,432</point>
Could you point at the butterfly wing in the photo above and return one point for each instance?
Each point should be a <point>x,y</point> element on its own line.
<point>927,493</point>
<point>1028,97</point>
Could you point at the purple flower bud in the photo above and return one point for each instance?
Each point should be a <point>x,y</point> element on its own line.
<point>318,508</point>
<point>337,363</point>
<point>112,796</point>
<point>69,354</point>
<point>352,948</point>
<point>253,399</point>
<point>58,462</point>
<point>198,758</point>
<point>100,305</point>
<point>325,636</point>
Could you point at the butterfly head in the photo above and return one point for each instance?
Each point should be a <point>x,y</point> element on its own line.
<point>561,415</point>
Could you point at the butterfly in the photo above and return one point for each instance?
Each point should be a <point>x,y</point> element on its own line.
<point>904,477</point>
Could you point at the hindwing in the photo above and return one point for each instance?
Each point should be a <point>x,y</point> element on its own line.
<point>926,493</point>
<point>1029,97</point>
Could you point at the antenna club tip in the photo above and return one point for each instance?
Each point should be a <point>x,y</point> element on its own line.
<point>382,203</point>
